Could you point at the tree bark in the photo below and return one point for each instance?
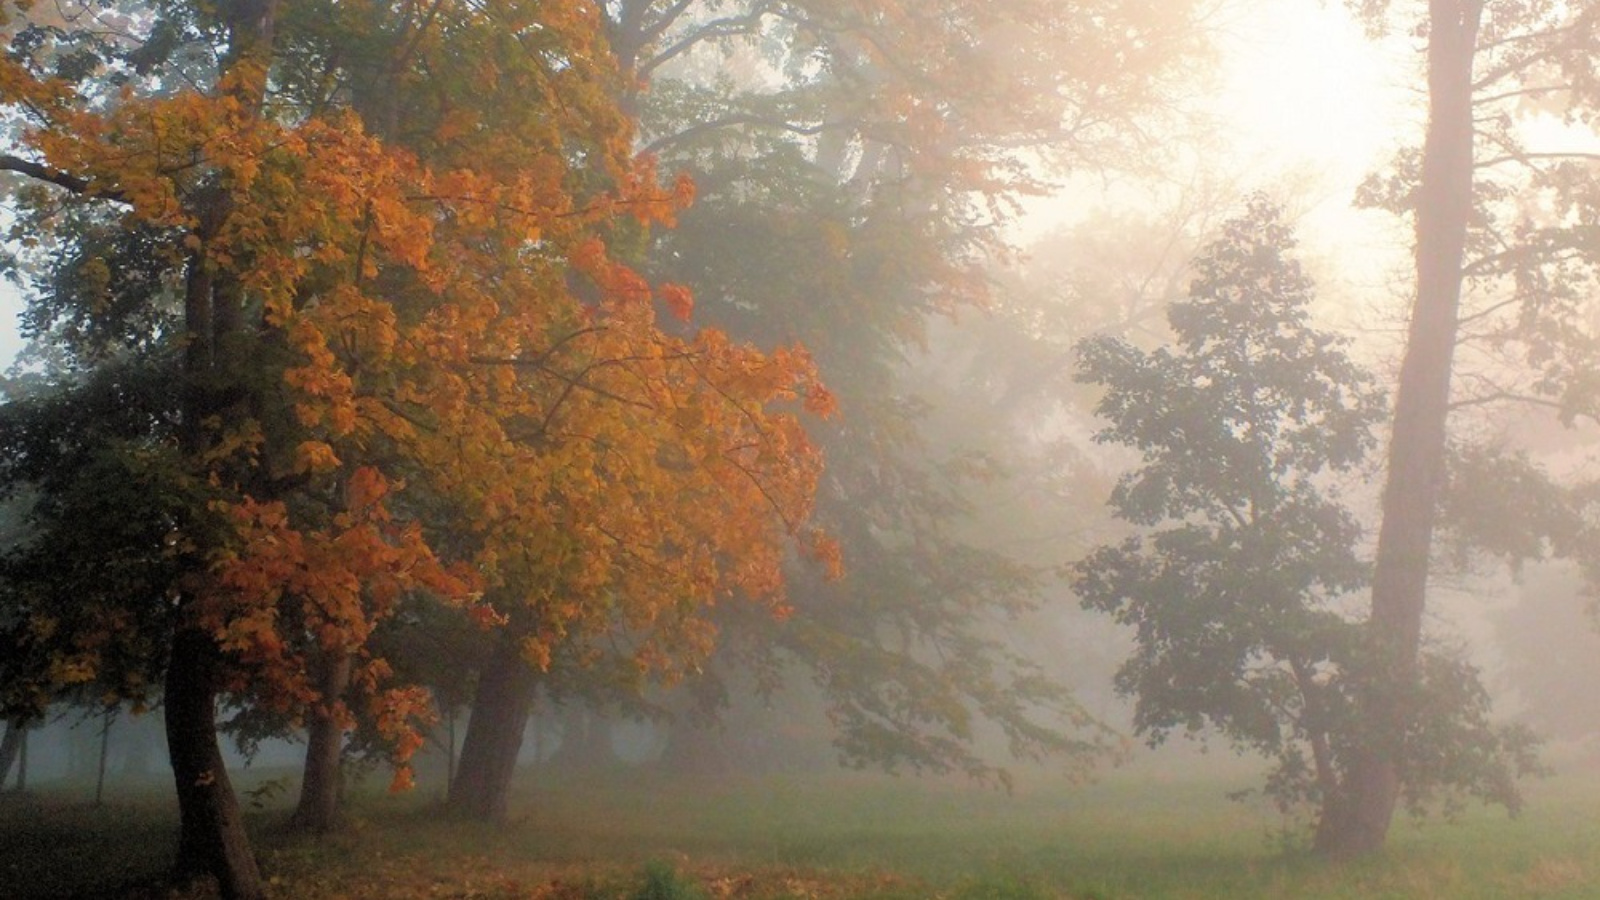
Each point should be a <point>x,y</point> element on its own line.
<point>318,811</point>
<point>500,709</point>
<point>212,839</point>
<point>1416,465</point>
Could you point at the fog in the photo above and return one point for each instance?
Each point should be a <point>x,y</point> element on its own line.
<point>799,449</point>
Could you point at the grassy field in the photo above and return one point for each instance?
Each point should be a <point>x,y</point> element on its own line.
<point>1135,834</point>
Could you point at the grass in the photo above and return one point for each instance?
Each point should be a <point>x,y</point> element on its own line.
<point>1136,834</point>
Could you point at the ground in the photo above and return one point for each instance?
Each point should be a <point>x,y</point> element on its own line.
<point>1143,832</point>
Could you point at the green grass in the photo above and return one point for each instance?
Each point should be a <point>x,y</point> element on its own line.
<point>1136,834</point>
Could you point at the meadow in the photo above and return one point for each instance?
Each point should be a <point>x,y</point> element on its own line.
<point>1135,833</point>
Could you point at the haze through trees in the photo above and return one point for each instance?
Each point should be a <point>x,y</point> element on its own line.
<point>1236,588</point>
<point>857,168</point>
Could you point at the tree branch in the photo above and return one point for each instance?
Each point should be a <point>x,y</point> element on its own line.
<point>42,172</point>
<point>693,131</point>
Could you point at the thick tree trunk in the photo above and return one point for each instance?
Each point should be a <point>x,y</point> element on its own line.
<point>212,839</point>
<point>482,786</point>
<point>1417,445</point>
<point>318,810</point>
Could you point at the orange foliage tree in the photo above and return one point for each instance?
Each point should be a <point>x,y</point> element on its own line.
<point>382,350</point>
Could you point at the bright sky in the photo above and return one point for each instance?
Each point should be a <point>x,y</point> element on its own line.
<point>1305,106</point>
<point>1306,88</point>
<point>10,307</point>
<point>1319,105</point>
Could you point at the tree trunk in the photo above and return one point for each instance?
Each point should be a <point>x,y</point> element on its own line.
<point>212,839</point>
<point>500,709</point>
<point>450,751</point>
<point>318,810</point>
<point>108,717</point>
<point>10,748</point>
<point>1417,444</point>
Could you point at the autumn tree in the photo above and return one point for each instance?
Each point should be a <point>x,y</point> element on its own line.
<point>338,272</point>
<point>1233,587</point>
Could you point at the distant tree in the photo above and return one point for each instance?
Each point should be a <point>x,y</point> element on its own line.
<point>1552,655</point>
<point>857,167</point>
<point>1233,587</point>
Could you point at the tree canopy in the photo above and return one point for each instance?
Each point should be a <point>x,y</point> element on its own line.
<point>374,343</point>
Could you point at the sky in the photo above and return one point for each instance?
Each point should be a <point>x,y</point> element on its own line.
<point>1304,86</point>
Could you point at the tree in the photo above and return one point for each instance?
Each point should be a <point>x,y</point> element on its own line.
<point>1502,226</point>
<point>857,166</point>
<point>1234,588</point>
<point>375,345</point>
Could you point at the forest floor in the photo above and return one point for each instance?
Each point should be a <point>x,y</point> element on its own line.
<point>1142,832</point>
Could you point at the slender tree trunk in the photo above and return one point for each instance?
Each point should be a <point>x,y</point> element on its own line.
<point>1417,444</point>
<point>318,810</point>
<point>212,839</point>
<point>109,716</point>
<point>10,748</point>
<point>450,751</point>
<point>500,709</point>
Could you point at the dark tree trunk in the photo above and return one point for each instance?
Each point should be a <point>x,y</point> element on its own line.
<point>318,810</point>
<point>481,789</point>
<point>11,748</point>
<point>1417,445</point>
<point>212,839</point>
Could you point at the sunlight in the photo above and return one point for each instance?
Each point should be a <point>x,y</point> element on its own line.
<point>1304,86</point>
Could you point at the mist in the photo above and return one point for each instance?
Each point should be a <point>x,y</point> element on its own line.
<point>644,449</point>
